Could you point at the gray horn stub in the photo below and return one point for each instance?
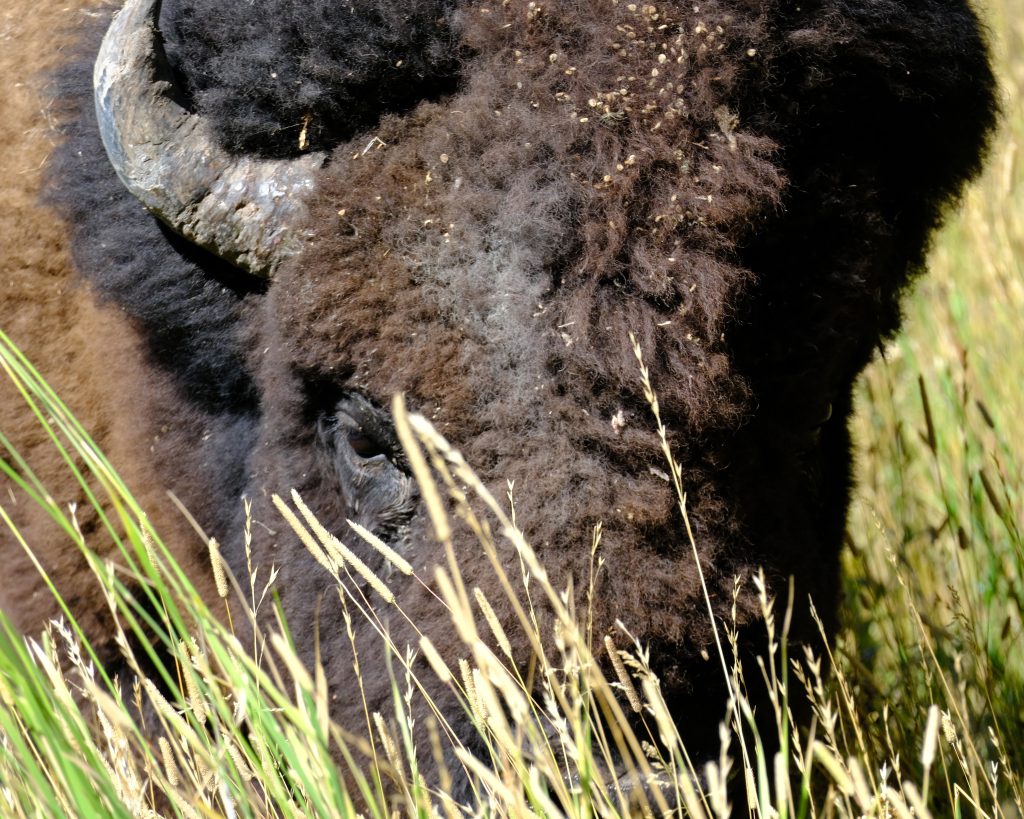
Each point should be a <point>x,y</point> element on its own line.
<point>244,209</point>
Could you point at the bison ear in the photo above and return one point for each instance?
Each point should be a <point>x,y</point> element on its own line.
<point>243,209</point>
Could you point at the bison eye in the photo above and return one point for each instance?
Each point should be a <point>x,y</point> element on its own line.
<point>356,429</point>
<point>364,446</point>
<point>360,451</point>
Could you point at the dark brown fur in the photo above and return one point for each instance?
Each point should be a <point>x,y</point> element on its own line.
<point>746,187</point>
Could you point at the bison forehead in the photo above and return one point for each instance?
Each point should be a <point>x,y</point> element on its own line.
<point>582,184</point>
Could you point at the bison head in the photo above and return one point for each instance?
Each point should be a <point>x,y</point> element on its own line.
<point>476,204</point>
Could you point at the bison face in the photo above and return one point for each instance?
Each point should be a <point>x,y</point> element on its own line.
<point>744,188</point>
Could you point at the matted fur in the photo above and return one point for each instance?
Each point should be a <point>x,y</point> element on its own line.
<point>746,187</point>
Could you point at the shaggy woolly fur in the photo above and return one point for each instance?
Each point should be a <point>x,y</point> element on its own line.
<point>514,188</point>
<point>90,352</point>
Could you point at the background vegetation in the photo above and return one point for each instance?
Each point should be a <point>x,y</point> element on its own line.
<point>935,568</point>
<point>922,712</point>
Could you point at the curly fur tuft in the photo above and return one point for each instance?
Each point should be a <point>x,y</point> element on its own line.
<point>322,72</point>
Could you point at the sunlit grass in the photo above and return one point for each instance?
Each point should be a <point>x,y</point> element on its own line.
<point>935,575</point>
<point>214,723</point>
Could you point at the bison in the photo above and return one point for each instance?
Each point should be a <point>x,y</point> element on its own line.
<point>262,220</point>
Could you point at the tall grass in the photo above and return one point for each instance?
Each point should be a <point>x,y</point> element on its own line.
<point>211,725</point>
<point>919,708</point>
<point>935,572</point>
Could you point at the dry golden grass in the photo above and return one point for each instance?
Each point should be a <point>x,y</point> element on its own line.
<point>219,733</point>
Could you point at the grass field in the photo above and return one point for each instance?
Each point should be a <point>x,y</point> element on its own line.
<point>921,714</point>
<point>935,575</point>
